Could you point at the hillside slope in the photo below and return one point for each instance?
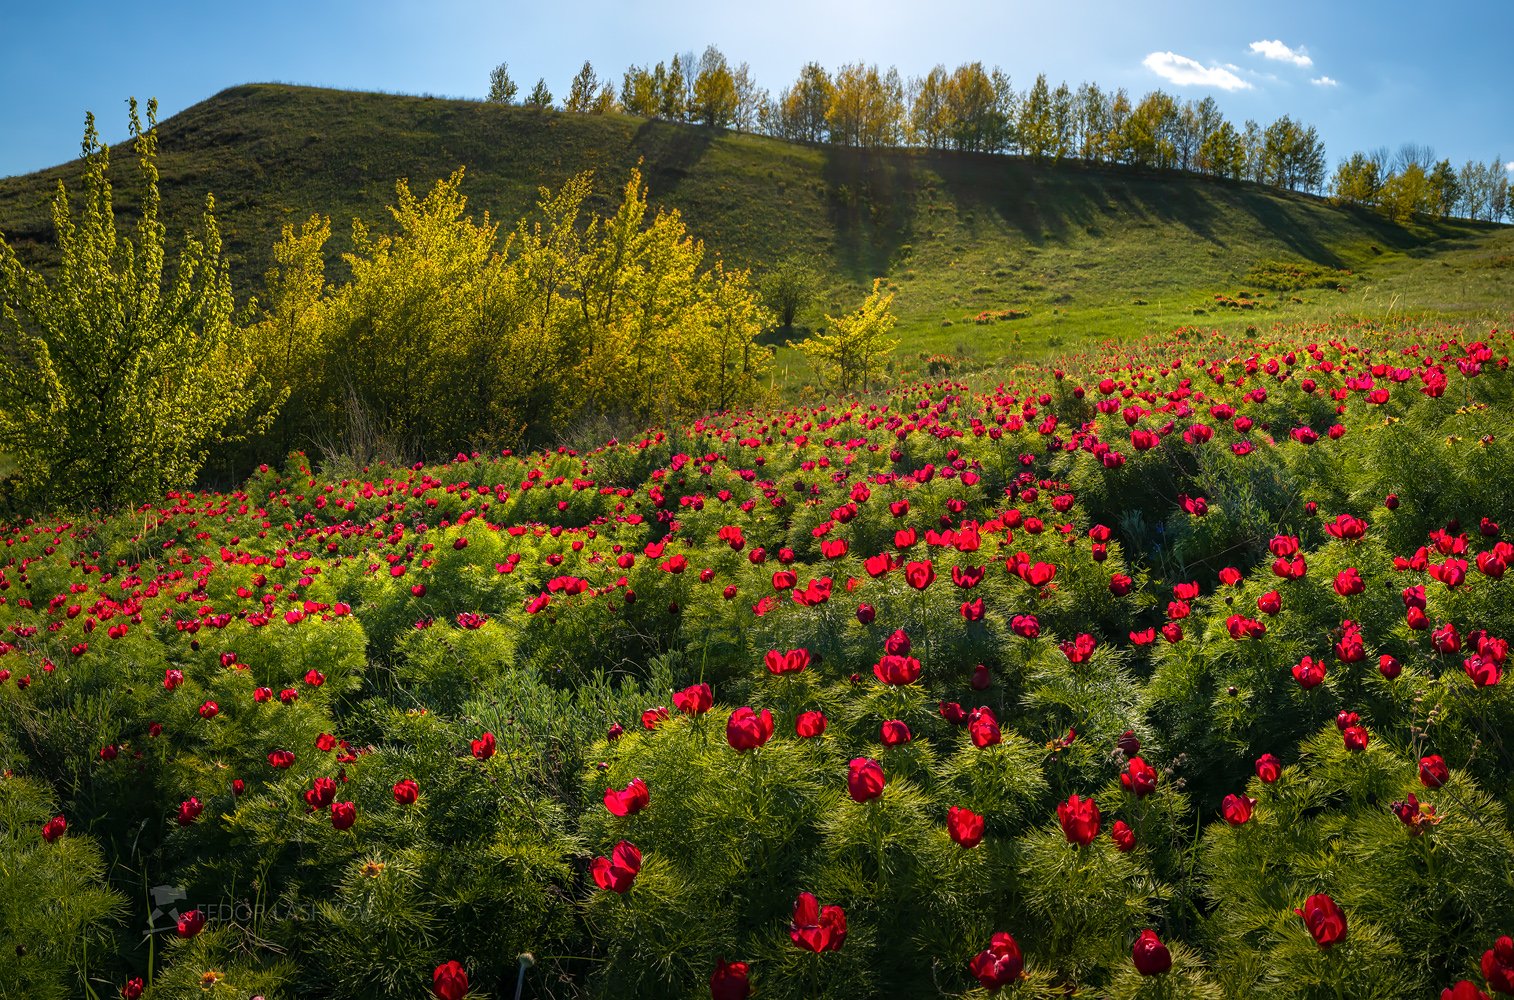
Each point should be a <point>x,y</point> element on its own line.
<point>1097,251</point>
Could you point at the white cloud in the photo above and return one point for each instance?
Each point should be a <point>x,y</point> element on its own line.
<point>1282,53</point>
<point>1325,81</point>
<point>1509,166</point>
<point>1184,72</point>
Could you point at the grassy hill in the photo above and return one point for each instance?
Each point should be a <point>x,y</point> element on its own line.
<point>1070,253</point>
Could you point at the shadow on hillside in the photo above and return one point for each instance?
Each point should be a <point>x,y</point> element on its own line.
<point>1049,203</point>
<point>871,199</point>
<point>670,151</point>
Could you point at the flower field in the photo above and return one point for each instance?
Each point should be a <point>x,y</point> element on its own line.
<point>1175,671</point>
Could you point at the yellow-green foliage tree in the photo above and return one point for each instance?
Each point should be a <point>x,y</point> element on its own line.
<point>290,335</point>
<point>867,107</point>
<point>715,97</point>
<point>122,372</point>
<point>855,351</point>
<point>1406,194</point>
<point>447,336</point>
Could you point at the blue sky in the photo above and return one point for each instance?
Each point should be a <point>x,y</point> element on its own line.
<point>1366,74</point>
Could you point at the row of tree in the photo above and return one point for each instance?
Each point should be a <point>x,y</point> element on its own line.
<point>971,109</point>
<point>974,109</point>
<point>1412,182</point>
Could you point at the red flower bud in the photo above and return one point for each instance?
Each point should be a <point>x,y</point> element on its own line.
<point>1268,768</point>
<point>1324,919</point>
<point>1433,771</point>
<point>450,981</point>
<point>998,965</point>
<point>864,779</point>
<point>1150,955</point>
<point>1123,836</point>
<point>964,826</point>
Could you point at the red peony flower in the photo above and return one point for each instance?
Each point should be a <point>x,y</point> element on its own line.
<point>191,923</point>
<point>810,725</point>
<point>627,801</point>
<point>1268,768</point>
<point>729,981</point>
<point>1080,649</point>
<point>998,965</point>
<point>897,670</point>
<point>322,794</point>
<point>1324,919</point>
<point>1150,955</point>
<point>1139,777</point>
<point>983,728</point>
<point>1498,966</point>
<point>617,872</point>
<point>694,700</point>
<point>483,747</point>
<point>1079,819</point>
<point>450,981</point>
<point>789,662</point>
<point>1237,809</point>
<point>1123,836</point>
<point>189,811</point>
<point>746,729</point>
<point>343,815</point>
<point>1433,771</point>
<point>817,928</point>
<point>1349,582</point>
<point>964,826</point>
<point>1309,672</point>
<point>920,574</point>
<point>406,792</point>
<point>864,779</point>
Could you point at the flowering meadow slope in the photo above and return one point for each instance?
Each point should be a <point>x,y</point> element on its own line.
<point>1177,673</point>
